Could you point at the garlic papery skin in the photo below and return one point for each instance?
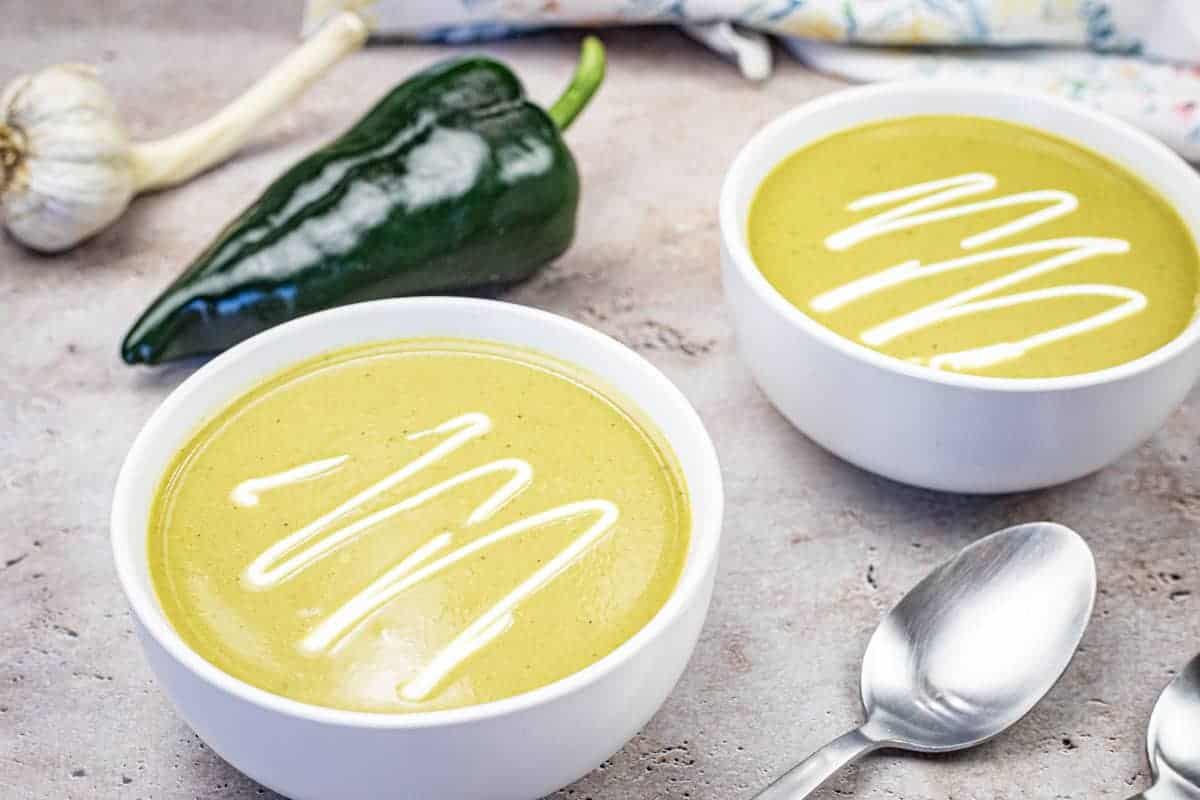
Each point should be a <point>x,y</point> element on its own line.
<point>67,170</point>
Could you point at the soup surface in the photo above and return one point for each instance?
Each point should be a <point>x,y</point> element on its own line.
<point>977,246</point>
<point>416,525</point>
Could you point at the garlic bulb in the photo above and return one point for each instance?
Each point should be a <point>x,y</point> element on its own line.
<point>68,169</point>
<point>66,158</point>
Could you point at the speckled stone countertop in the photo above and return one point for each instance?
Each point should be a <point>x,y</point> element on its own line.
<point>814,550</point>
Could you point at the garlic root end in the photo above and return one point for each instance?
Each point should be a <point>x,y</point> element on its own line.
<point>12,152</point>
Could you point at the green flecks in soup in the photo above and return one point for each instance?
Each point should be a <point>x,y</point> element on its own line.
<point>416,525</point>
<point>977,246</point>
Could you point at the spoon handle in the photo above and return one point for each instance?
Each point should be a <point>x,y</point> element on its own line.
<point>801,780</point>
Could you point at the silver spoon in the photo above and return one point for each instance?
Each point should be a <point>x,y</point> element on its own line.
<point>968,652</point>
<point>1174,739</point>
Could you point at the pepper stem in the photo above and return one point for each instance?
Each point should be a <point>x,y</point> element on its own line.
<point>177,158</point>
<point>12,150</point>
<point>584,83</point>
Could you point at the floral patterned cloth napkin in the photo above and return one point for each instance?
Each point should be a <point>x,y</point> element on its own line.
<point>1136,59</point>
<point>1163,99</point>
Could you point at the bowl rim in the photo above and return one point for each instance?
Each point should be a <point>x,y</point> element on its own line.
<point>739,251</point>
<point>707,504</point>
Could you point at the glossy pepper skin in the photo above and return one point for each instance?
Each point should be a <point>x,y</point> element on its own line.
<point>453,181</point>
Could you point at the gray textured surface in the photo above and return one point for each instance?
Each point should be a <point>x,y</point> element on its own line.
<point>814,550</point>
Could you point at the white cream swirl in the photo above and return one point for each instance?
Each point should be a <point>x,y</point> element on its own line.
<point>931,205</point>
<point>294,553</point>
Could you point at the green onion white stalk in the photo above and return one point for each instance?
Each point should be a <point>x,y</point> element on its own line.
<point>68,168</point>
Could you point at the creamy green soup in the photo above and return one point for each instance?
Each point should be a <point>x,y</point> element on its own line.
<point>976,246</point>
<point>416,525</point>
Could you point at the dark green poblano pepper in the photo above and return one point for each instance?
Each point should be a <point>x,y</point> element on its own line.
<point>453,181</point>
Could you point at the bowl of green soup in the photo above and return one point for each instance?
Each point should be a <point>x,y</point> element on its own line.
<point>431,547</point>
<point>964,288</point>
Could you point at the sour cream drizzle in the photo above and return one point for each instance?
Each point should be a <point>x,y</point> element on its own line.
<point>931,205</point>
<point>299,550</point>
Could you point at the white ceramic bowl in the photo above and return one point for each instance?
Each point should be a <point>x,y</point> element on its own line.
<point>515,749</point>
<point>938,429</point>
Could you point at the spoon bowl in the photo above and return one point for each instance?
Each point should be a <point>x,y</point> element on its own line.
<point>1172,742</point>
<point>968,652</point>
<point>974,646</point>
